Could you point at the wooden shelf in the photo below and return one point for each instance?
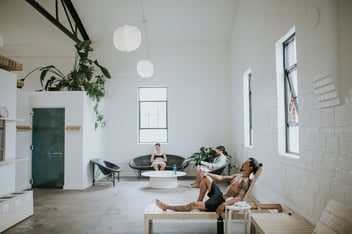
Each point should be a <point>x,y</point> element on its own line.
<point>23,128</point>
<point>13,160</point>
<point>8,119</point>
<point>73,128</point>
<point>9,64</point>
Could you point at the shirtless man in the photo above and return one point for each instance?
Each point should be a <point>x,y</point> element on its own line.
<point>239,184</point>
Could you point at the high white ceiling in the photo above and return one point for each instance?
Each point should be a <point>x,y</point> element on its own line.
<point>167,20</point>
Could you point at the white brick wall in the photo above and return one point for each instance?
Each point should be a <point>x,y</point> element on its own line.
<point>324,168</point>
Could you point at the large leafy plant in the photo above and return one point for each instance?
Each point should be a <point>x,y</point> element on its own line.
<point>87,75</point>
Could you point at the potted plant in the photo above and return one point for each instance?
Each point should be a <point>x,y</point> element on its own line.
<point>207,154</point>
<point>87,75</point>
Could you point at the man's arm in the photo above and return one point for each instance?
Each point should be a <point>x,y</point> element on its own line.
<point>219,177</point>
<point>213,176</point>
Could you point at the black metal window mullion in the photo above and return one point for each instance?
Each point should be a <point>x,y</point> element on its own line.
<point>250,107</point>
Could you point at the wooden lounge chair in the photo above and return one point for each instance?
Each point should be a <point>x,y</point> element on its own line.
<point>255,204</point>
<point>153,212</point>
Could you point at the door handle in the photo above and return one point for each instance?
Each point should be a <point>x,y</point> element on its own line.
<point>57,153</point>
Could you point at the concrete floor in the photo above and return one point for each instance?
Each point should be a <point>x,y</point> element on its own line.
<point>103,209</point>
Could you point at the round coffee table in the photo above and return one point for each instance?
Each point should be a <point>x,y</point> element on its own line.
<point>163,179</point>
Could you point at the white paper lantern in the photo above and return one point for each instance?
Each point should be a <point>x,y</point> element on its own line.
<point>127,38</point>
<point>145,68</point>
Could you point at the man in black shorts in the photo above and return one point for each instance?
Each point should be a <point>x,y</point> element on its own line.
<point>239,184</point>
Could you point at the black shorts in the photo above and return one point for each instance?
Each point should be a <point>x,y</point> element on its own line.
<point>215,198</point>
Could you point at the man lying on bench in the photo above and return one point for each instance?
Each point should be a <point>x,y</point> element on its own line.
<point>239,184</point>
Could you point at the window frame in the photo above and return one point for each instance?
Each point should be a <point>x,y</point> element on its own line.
<point>248,110</point>
<point>289,90</point>
<point>140,116</point>
<point>283,124</point>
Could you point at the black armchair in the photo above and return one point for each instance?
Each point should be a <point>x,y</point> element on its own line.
<point>108,169</point>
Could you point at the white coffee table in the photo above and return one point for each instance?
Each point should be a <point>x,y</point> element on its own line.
<point>163,179</point>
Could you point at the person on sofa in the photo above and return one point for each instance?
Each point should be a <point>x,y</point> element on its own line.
<point>219,161</point>
<point>239,184</point>
<point>158,158</point>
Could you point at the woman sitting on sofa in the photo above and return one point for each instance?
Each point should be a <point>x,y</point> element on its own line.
<point>158,158</point>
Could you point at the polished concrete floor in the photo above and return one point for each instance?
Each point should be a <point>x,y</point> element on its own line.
<point>103,209</point>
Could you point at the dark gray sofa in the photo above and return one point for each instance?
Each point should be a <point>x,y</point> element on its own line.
<point>142,163</point>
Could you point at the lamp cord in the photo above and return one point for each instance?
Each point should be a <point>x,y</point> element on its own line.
<point>144,21</point>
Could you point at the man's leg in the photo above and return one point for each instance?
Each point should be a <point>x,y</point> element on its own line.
<point>205,186</point>
<point>196,183</point>
<point>191,206</point>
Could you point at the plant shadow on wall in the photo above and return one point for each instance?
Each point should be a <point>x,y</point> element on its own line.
<point>87,75</point>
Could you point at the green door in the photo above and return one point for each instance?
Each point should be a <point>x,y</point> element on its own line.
<point>48,141</point>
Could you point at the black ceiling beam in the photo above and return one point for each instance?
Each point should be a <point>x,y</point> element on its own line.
<point>72,32</point>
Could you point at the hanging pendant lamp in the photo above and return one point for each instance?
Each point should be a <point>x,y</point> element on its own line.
<point>145,68</point>
<point>127,38</point>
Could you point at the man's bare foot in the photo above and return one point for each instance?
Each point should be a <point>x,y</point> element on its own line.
<point>161,205</point>
<point>195,185</point>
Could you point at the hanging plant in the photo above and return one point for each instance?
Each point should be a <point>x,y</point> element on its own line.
<point>87,75</point>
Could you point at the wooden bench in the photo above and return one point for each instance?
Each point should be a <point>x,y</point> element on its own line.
<point>336,218</point>
<point>279,223</point>
<point>153,212</point>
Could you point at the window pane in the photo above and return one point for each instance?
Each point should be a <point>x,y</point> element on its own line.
<point>153,135</point>
<point>293,77</point>
<point>293,146</point>
<point>153,115</point>
<point>152,94</point>
<point>290,53</point>
<point>292,115</point>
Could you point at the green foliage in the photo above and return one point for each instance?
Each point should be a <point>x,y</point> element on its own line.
<point>87,75</point>
<point>207,154</point>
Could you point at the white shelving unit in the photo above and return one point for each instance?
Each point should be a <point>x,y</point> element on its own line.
<point>15,205</point>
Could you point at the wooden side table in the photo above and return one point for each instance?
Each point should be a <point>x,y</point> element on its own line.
<point>238,207</point>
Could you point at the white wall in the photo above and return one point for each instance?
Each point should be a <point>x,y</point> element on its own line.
<point>8,99</point>
<point>323,32</point>
<point>23,142</point>
<point>196,74</point>
<point>81,145</point>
